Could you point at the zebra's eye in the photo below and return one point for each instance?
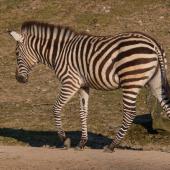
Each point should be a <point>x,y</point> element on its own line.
<point>17,53</point>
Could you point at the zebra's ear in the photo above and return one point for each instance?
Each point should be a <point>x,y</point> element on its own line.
<point>18,37</point>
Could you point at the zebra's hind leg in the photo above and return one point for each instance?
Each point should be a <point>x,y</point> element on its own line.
<point>67,91</point>
<point>84,97</point>
<point>129,113</point>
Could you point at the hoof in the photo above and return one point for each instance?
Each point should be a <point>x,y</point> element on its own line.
<point>64,148</point>
<point>78,148</point>
<point>81,145</point>
<point>108,149</point>
<point>67,143</point>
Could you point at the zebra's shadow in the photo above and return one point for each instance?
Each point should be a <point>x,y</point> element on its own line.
<point>50,138</point>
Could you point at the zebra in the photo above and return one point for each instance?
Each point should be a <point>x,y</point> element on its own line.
<point>127,61</point>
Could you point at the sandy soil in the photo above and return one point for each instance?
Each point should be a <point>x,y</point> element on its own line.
<point>25,158</point>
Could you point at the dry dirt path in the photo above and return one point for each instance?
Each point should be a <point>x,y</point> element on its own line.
<point>28,158</point>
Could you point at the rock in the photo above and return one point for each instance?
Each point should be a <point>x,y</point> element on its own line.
<point>140,22</point>
<point>161,17</point>
<point>160,120</point>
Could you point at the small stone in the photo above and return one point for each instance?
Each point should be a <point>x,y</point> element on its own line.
<point>12,73</point>
<point>44,90</point>
<point>140,22</point>
<point>34,8</point>
<point>97,25</point>
<point>38,88</point>
<point>106,9</point>
<point>17,105</point>
<point>67,143</point>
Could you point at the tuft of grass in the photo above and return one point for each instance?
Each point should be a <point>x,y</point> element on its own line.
<point>91,19</point>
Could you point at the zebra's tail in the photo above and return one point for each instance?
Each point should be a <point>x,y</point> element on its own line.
<point>163,67</point>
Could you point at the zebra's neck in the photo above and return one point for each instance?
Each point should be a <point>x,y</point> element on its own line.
<point>47,41</point>
<point>53,46</point>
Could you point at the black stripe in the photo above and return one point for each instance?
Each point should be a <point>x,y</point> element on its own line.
<point>48,47</point>
<point>73,46</point>
<point>135,62</point>
<point>133,42</point>
<point>86,51</point>
<point>62,43</point>
<point>56,41</point>
<point>41,47</point>
<point>128,103</point>
<point>36,43</point>
<point>131,86</point>
<point>138,50</point>
<point>165,103</point>
<point>134,72</point>
<point>80,58</point>
<point>129,97</point>
<point>129,92</point>
<point>121,133</point>
<point>133,79</point>
<point>113,42</point>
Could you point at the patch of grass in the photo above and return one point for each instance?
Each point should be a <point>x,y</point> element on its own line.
<point>135,133</point>
<point>10,141</point>
<point>10,4</point>
<point>91,19</point>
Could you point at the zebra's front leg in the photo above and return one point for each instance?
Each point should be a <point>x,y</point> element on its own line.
<point>129,113</point>
<point>65,94</point>
<point>84,97</point>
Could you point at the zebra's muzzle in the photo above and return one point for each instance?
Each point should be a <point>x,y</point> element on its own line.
<point>21,79</point>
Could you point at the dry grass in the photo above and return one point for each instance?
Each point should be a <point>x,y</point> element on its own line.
<point>29,106</point>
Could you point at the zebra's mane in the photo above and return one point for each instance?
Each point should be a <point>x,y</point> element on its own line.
<point>28,25</point>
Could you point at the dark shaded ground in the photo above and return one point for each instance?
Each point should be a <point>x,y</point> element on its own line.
<point>51,139</point>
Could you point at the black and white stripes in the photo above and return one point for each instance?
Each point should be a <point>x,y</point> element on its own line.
<point>128,61</point>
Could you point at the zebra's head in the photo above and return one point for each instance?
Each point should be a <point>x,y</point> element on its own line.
<point>26,59</point>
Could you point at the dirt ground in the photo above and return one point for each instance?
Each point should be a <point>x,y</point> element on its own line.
<point>32,158</point>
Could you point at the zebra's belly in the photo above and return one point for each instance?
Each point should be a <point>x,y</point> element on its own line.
<point>102,82</point>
